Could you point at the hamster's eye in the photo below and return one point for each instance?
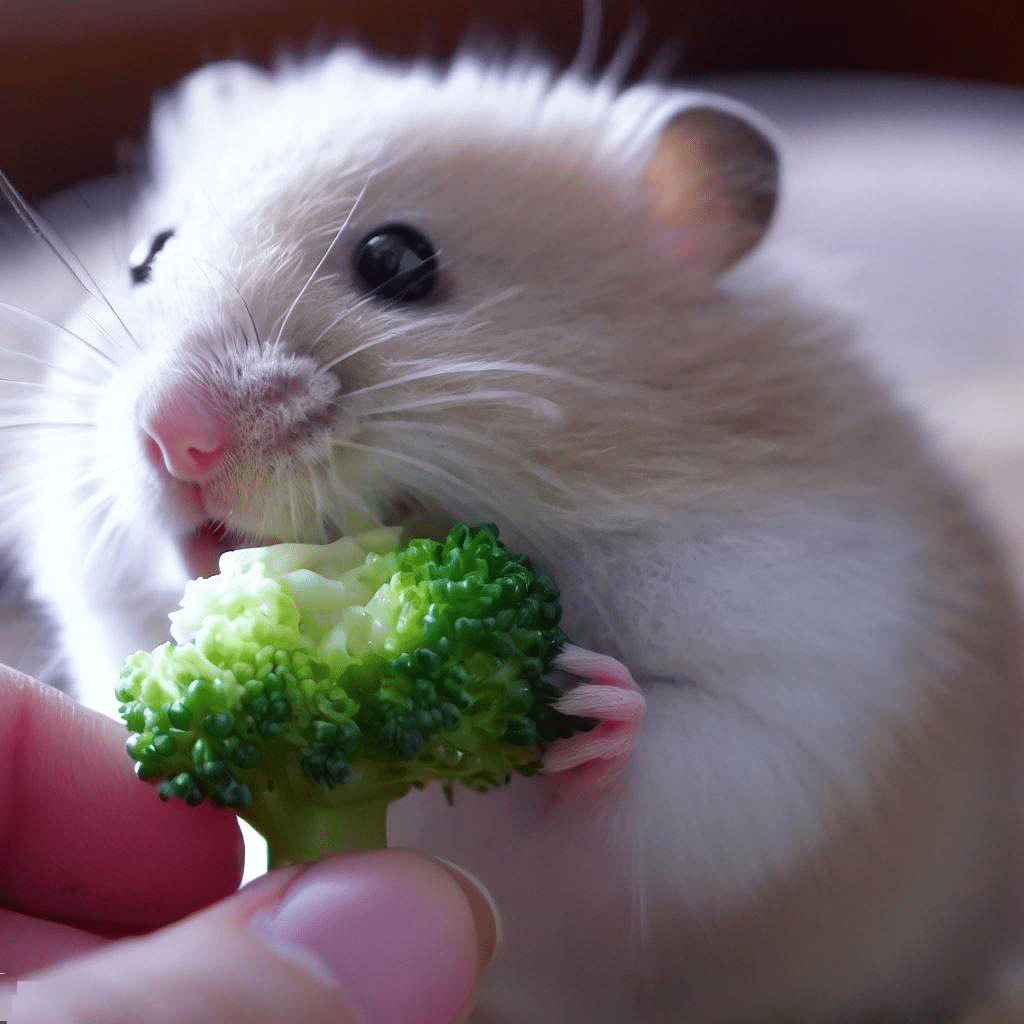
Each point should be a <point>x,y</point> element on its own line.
<point>395,261</point>
<point>140,263</point>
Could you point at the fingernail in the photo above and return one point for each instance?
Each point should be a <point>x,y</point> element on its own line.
<point>392,932</point>
<point>485,912</point>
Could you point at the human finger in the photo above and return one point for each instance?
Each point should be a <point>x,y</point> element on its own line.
<point>82,840</point>
<point>388,937</point>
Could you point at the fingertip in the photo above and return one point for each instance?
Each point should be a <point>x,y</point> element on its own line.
<point>400,937</point>
<point>486,916</point>
<point>82,838</point>
<point>388,937</point>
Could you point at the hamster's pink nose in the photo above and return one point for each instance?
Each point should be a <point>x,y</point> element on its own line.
<point>187,437</point>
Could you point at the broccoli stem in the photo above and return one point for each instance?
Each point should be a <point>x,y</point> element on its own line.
<point>306,833</point>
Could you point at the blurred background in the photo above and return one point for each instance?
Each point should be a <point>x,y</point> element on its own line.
<point>76,78</point>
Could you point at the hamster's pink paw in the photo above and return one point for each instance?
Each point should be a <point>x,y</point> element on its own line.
<point>592,760</point>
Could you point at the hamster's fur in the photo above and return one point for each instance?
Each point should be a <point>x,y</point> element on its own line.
<point>819,821</point>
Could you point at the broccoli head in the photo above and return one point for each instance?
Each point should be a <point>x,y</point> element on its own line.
<point>308,686</point>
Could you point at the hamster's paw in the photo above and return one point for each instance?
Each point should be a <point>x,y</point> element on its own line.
<point>592,760</point>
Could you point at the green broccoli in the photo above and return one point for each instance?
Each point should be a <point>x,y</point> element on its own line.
<point>309,686</point>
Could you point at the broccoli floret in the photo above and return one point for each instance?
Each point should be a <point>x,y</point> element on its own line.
<point>308,686</point>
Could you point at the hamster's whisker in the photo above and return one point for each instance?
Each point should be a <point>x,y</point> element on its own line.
<point>36,480</point>
<point>319,505</point>
<point>361,170</point>
<point>13,501</point>
<point>361,303</point>
<point>206,265</point>
<point>480,440</point>
<point>381,339</point>
<point>248,313</point>
<point>458,490</point>
<point>44,385</point>
<point>107,529</point>
<point>106,334</point>
<point>52,367</point>
<point>46,233</point>
<point>435,323</point>
<point>261,530</point>
<point>457,322</point>
<point>327,252</point>
<point>366,345</point>
<point>71,394</point>
<point>293,514</point>
<point>514,291</point>
<point>461,319</point>
<point>323,334</point>
<point>434,472</point>
<point>474,367</point>
<point>101,495</point>
<point>88,493</point>
<point>14,414</point>
<point>349,311</point>
<point>215,360</point>
<point>20,404</point>
<point>43,231</point>
<point>350,497</point>
<point>50,325</point>
<point>539,406</point>
<point>338,519</point>
<point>62,424</point>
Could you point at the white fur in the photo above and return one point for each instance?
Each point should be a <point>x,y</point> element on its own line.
<point>813,823</point>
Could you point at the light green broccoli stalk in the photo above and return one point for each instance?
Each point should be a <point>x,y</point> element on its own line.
<point>309,686</point>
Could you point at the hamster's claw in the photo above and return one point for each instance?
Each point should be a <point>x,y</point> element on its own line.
<point>593,760</point>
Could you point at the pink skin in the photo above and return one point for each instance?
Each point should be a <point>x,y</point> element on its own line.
<point>204,548</point>
<point>591,761</point>
<point>186,436</point>
<point>188,441</point>
<point>70,807</point>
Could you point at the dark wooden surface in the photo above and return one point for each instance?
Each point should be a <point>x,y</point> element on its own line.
<point>73,97</point>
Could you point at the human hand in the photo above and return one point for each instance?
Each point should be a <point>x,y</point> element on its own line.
<point>117,907</point>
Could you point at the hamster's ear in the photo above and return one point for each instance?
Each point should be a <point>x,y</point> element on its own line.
<point>713,181</point>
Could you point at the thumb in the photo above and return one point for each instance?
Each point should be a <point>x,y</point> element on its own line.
<point>388,937</point>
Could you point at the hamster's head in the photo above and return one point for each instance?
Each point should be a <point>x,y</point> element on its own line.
<point>366,294</point>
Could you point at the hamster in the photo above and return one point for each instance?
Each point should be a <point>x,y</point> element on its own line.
<point>374,293</point>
